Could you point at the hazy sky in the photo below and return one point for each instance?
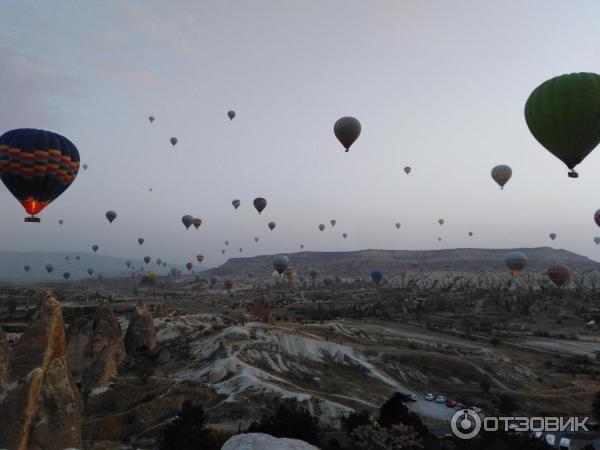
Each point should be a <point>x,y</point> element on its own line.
<point>437,85</point>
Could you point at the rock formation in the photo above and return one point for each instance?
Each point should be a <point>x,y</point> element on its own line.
<point>41,408</point>
<point>95,348</point>
<point>140,334</point>
<point>3,359</point>
<point>261,441</point>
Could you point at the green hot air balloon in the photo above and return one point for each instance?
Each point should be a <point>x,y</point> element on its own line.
<point>563,114</point>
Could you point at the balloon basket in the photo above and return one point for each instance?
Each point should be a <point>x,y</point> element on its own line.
<point>32,219</point>
<point>573,174</point>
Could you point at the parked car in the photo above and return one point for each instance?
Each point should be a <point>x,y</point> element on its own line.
<point>550,439</point>
<point>412,397</point>
<point>440,399</point>
<point>428,397</point>
<point>564,444</point>
<point>451,403</point>
<point>459,406</point>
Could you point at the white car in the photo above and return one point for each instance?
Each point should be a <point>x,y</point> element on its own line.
<point>564,444</point>
<point>440,399</point>
<point>412,397</point>
<point>428,397</point>
<point>550,439</point>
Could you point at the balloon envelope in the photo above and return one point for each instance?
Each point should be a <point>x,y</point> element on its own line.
<point>407,170</point>
<point>516,262</point>
<point>321,227</point>
<point>501,174</point>
<point>37,166</point>
<point>147,259</point>
<point>333,222</point>
<point>559,275</point>
<point>95,248</point>
<point>376,276</point>
<point>347,130</point>
<point>327,280</point>
<point>231,114</point>
<point>271,225</point>
<point>280,262</point>
<point>199,258</point>
<point>552,236</point>
<point>140,241</point>
<point>236,203</point>
<point>260,204</point>
<point>187,221</point>
<point>597,240</point>
<point>197,222</point>
<point>111,215</point>
<point>173,140</point>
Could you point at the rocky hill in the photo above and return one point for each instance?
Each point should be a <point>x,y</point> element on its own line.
<point>393,262</point>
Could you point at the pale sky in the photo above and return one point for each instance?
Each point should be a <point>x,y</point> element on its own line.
<point>439,86</point>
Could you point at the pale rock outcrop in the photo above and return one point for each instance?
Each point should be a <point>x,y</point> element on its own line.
<point>261,441</point>
<point>141,334</point>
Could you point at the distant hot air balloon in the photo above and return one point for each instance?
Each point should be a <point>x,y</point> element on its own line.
<point>95,248</point>
<point>231,114</point>
<point>332,222</point>
<point>516,262</point>
<point>255,239</point>
<point>149,189</point>
<point>111,215</point>
<point>37,166</point>
<point>236,203</point>
<point>301,245</point>
<point>49,268</point>
<point>470,233</point>
<point>559,275</point>
<point>128,264</point>
<point>552,236</point>
<point>441,222</point>
<point>159,261</point>
<point>597,240</point>
<point>27,268</point>
<point>347,130</point>
<point>271,225</point>
<point>140,241</point>
<point>313,273</point>
<point>90,271</point>
<point>280,262</point>
<point>260,204</point>
<point>151,119</point>
<point>327,280</point>
<point>344,235</point>
<point>147,259</point>
<point>597,217</point>
<point>197,222</point>
<point>321,227</point>
<point>66,275</point>
<point>226,242</point>
<point>66,258</point>
<point>228,284</point>
<point>376,276</point>
<point>439,239</point>
<point>189,266</point>
<point>77,258</point>
<point>85,166</point>
<point>187,221</point>
<point>563,114</point>
<point>241,249</point>
<point>501,174</point>
<point>173,141</point>
<point>223,251</point>
<point>60,222</point>
<point>199,258</point>
<point>398,225</point>
<point>407,170</point>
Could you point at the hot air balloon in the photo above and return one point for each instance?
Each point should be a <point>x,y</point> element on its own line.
<point>90,271</point>
<point>501,174</point>
<point>226,242</point>
<point>231,114</point>
<point>439,239</point>
<point>66,275</point>
<point>347,130</point>
<point>552,236</point>
<point>197,222</point>
<point>313,273</point>
<point>151,119</point>
<point>516,262</point>
<point>280,262</point>
<point>597,240</point>
<point>128,264</point>
<point>199,258</point>
<point>37,166</point>
<point>111,215</point>
<point>27,268</point>
<point>187,221</point>
<point>470,233</point>
<point>159,261</point>
<point>271,225</point>
<point>255,239</point>
<point>223,251</point>
<point>321,227</point>
<point>344,235</point>
<point>60,222</point>
<point>441,222</point>
<point>66,258</point>
<point>332,222</point>
<point>164,264</point>
<point>597,217</point>
<point>140,241</point>
<point>49,268</point>
<point>301,245</point>
<point>260,204</point>
<point>85,166</point>
<point>241,249</point>
<point>407,170</point>
<point>173,141</point>
<point>189,266</point>
<point>376,276</point>
<point>147,259</point>
<point>95,248</point>
<point>228,284</point>
<point>77,258</point>
<point>327,280</point>
<point>236,203</point>
<point>398,225</point>
<point>563,114</point>
<point>559,275</point>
